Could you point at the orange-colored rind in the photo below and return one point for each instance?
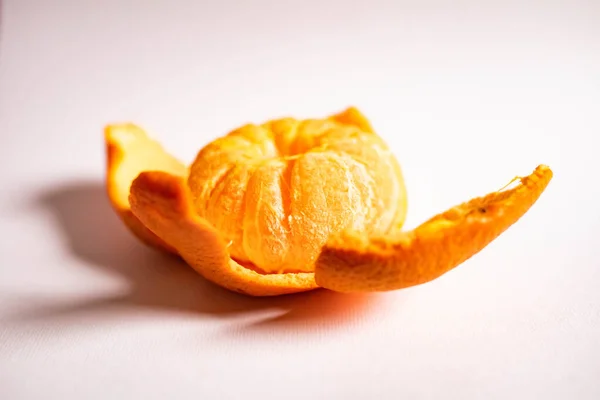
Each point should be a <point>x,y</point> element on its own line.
<point>353,116</point>
<point>354,263</point>
<point>129,151</point>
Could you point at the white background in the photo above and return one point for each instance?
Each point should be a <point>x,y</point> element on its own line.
<point>468,94</point>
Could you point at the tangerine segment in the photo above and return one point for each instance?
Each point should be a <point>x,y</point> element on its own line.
<point>353,262</point>
<point>129,151</point>
<point>277,191</point>
<point>163,203</point>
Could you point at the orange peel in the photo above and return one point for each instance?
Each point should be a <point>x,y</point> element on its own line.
<point>295,205</point>
<point>129,152</point>
<point>353,262</point>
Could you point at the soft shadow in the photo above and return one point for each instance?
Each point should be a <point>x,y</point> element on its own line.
<point>161,283</point>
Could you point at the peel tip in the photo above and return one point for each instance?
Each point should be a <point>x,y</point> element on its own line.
<point>158,186</point>
<point>543,168</point>
<point>120,133</point>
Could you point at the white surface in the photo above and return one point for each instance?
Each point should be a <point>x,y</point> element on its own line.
<point>469,94</point>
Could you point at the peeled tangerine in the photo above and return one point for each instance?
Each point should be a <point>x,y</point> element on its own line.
<point>292,205</point>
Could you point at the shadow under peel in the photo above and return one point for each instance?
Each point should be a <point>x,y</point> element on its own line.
<point>159,282</point>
